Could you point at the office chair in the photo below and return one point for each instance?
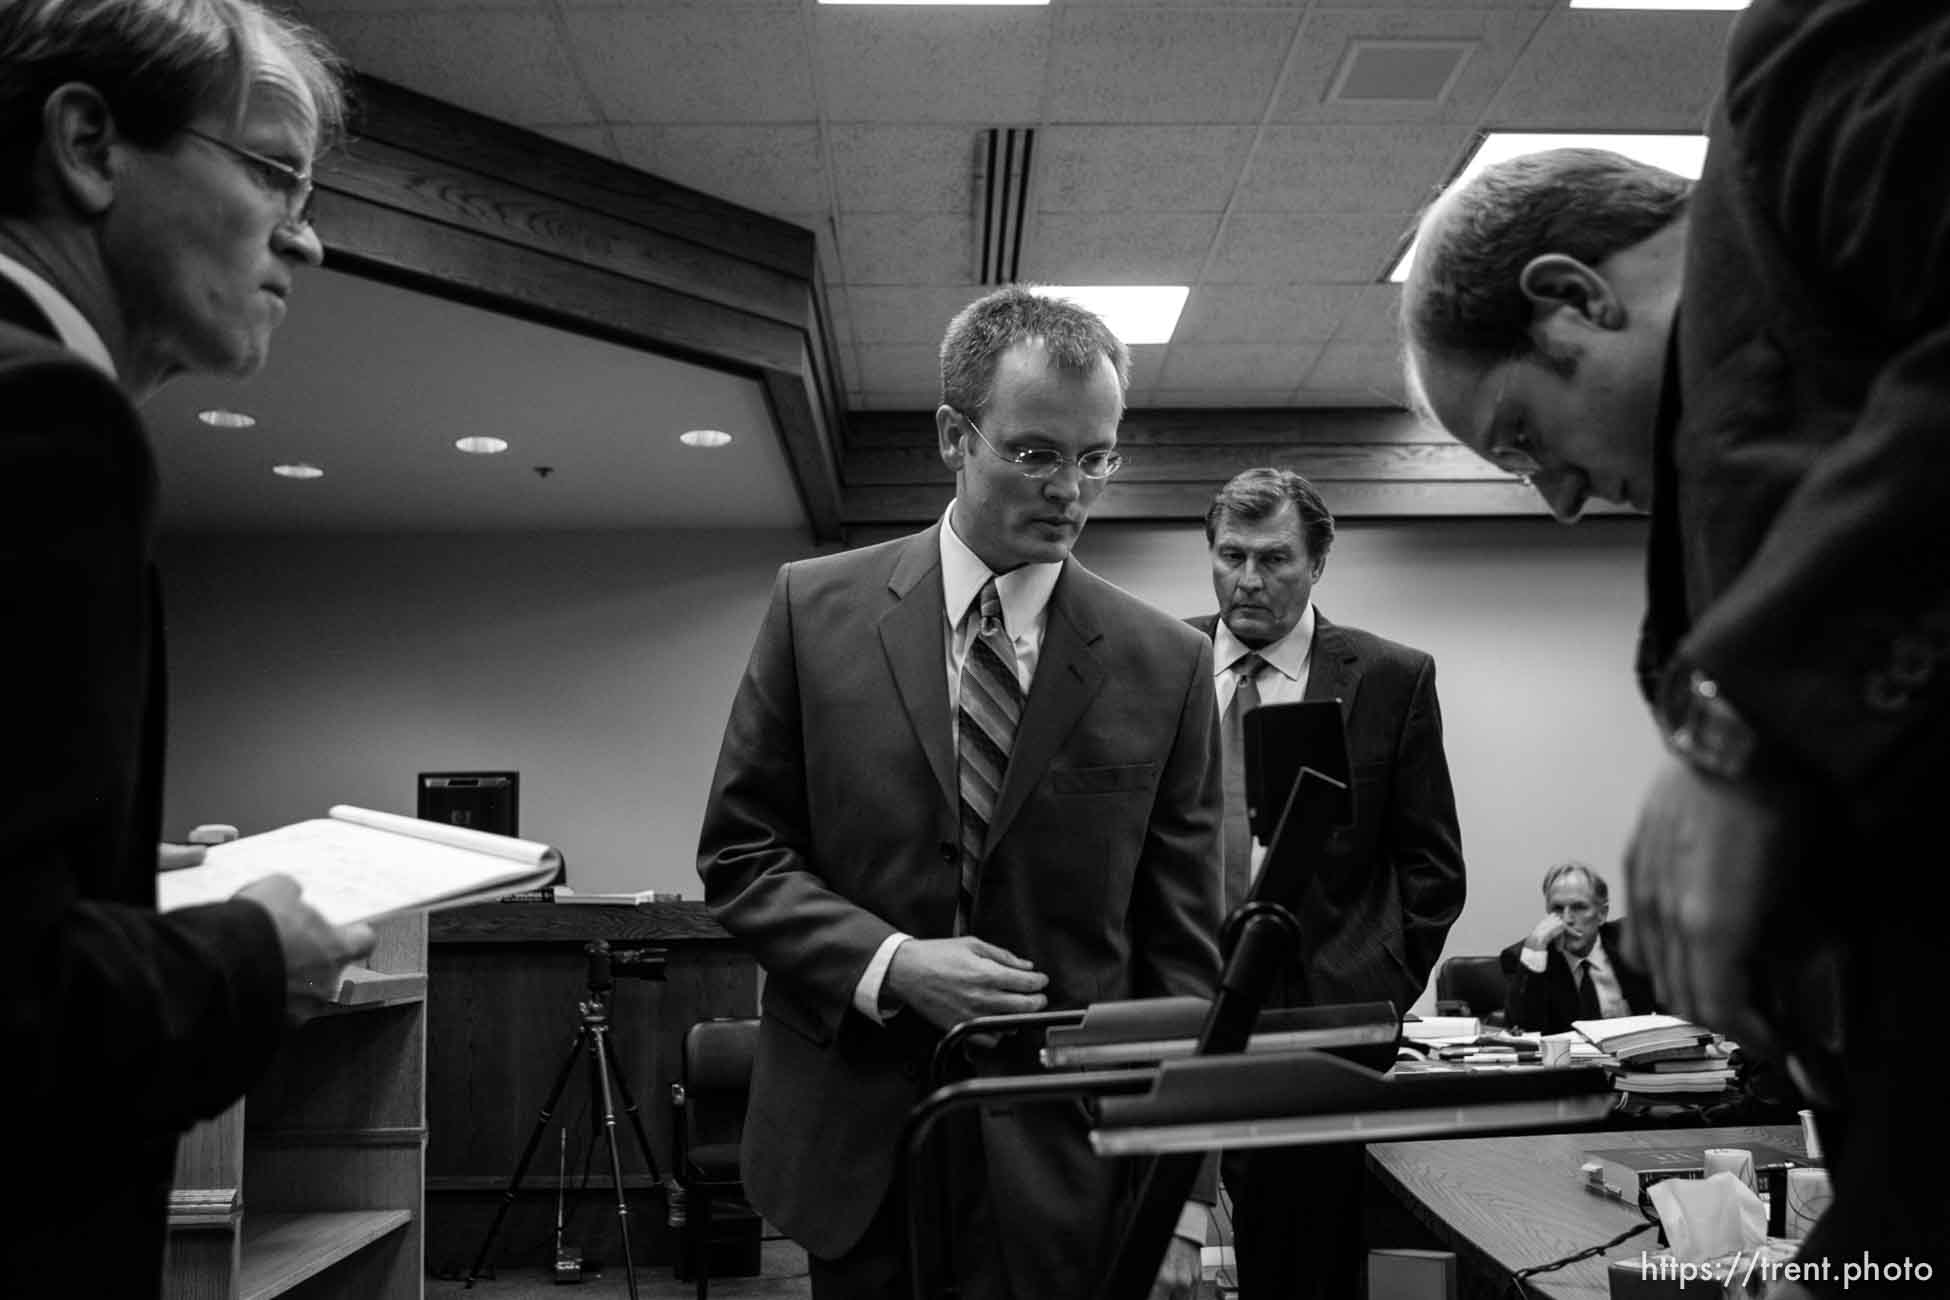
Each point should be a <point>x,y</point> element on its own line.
<point>708,1110</point>
<point>1470,986</point>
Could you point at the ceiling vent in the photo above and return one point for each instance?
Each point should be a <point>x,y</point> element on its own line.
<point>1002,160</point>
<point>1399,72</point>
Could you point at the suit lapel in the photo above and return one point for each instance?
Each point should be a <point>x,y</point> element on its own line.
<point>1068,677</point>
<point>1334,670</point>
<point>911,635</point>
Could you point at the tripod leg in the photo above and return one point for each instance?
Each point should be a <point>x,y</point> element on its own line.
<point>528,1153</point>
<point>636,1118</point>
<point>602,1064</point>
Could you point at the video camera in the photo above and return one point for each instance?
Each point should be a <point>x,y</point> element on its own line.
<point>607,965</point>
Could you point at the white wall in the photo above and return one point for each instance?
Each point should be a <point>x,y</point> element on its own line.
<point>311,671</point>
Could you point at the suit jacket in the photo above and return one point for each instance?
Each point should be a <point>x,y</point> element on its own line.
<point>832,822</point>
<point>1548,1003</point>
<point>1376,918</point>
<point>124,1026</point>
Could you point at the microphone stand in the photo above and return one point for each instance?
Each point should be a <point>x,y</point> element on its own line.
<point>1262,934</point>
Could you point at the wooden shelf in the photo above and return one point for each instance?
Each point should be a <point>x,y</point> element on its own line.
<point>282,1250</point>
<point>322,1163</point>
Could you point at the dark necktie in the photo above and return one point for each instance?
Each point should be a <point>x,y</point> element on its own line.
<point>1232,739</point>
<point>1588,993</point>
<point>990,706</point>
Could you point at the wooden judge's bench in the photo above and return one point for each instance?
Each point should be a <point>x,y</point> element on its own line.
<point>504,983</point>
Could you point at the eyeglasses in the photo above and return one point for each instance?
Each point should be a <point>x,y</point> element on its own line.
<point>282,179</point>
<point>1043,462</point>
<point>1517,455</point>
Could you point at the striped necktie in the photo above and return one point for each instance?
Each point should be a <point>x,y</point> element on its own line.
<point>1588,1005</point>
<point>990,707</point>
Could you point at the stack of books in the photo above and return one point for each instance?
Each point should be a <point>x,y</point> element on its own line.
<point>1661,1056</point>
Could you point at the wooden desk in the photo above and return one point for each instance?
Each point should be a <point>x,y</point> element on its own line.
<point>504,980</point>
<point>1516,1202</point>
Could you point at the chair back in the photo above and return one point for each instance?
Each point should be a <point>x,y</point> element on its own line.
<point>1477,982</point>
<point>717,1080</point>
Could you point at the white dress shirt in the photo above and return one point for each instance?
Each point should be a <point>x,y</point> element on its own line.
<point>76,334</point>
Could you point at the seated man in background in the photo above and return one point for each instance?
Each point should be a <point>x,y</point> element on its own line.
<point>1573,965</point>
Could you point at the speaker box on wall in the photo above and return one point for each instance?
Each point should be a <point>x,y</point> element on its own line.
<point>481,801</point>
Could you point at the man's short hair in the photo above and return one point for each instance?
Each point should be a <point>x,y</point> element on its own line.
<point>1257,494</point>
<point>1073,337</point>
<point>159,64</point>
<point>1464,299</point>
<point>1599,889</point>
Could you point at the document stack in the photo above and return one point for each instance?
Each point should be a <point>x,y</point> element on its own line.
<point>1661,1056</point>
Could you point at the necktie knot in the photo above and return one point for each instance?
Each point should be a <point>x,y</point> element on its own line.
<point>1247,666</point>
<point>989,608</point>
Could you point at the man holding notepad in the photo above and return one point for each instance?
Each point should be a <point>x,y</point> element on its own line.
<point>155,171</point>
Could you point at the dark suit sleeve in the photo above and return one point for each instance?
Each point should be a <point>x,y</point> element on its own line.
<point>755,851</point>
<point>114,1014</point>
<point>1175,910</point>
<point>1835,637</point>
<point>1423,842</point>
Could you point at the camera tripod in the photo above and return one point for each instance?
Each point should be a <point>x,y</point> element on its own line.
<point>592,1036</point>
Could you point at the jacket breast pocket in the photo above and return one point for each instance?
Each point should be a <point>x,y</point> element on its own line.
<point>1122,778</point>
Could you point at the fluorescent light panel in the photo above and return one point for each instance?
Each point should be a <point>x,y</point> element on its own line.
<point>1136,313</point>
<point>1659,4</point>
<point>1683,154</point>
<point>934,2</point>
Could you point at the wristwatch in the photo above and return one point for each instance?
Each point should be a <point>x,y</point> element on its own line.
<point>1704,728</point>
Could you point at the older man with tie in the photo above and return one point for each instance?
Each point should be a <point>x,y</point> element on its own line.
<point>1376,915</point>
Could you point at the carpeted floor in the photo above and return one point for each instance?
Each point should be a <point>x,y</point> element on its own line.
<point>781,1276</point>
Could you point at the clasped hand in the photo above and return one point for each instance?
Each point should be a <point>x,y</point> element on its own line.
<point>947,981</point>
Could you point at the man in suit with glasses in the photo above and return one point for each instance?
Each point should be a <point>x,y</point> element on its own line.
<point>964,776</point>
<point>154,180</point>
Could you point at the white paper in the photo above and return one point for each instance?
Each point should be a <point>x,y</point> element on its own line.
<point>360,865</point>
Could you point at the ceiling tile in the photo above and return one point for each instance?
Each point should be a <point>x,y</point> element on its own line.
<point>507,64</point>
<point>912,316</point>
<point>1349,168</point>
<point>1322,247</point>
<point>593,138</point>
<point>685,63</point>
<point>1264,313</point>
<point>1261,366</point>
<point>1181,398</point>
<point>905,248</point>
<point>315,12</point>
<point>914,64</point>
<point>903,168</point>
<point>772,168</point>
<point>1138,168</point>
<point>906,368</point>
<point>1620,71</point>
<point>1498,35</point>
<point>1118,248</point>
<point>1361,367</point>
<point>1167,65</point>
<point>1147,363</point>
<point>1373,316</point>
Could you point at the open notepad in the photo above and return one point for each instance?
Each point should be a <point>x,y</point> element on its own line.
<point>358,865</point>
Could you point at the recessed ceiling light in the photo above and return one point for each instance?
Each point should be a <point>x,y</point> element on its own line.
<point>1683,154</point>
<point>226,419</point>
<point>1136,313</point>
<point>1659,4</point>
<point>479,444</point>
<point>704,438</point>
<point>297,469</point>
